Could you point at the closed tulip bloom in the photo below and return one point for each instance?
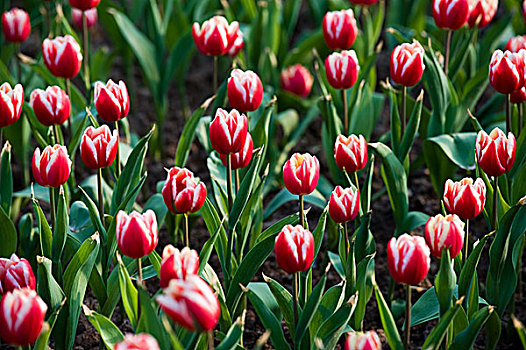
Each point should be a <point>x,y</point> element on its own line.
<point>364,2</point>
<point>518,96</point>
<point>52,167</point>
<point>178,264</point>
<point>407,64</point>
<point>191,303</point>
<point>344,204</point>
<point>137,234</point>
<point>294,249</point>
<point>339,29</point>
<point>350,153</point>
<point>301,173</point>
<point>342,69</point>
<point>84,4</point>
<point>15,273</point>
<point>22,315</point>
<point>91,17</point>
<point>408,259</point>
<point>237,44</point>
<point>444,232</point>
<point>465,198</point>
<point>142,341</point>
<point>228,131</point>
<point>516,43</point>
<point>51,106</point>
<point>215,37</point>
<point>245,91</point>
<point>182,193</point>
<point>506,71</point>
<point>362,341</point>
<point>450,14</point>
<point>98,147</point>
<point>11,101</point>
<point>242,158</point>
<point>297,80</point>
<point>16,25</point>
<point>112,100</point>
<point>495,152</point>
<point>482,12</point>
<point>62,56</point>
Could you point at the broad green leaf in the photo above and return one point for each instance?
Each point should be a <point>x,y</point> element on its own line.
<point>309,310</point>
<point>445,282</point>
<point>129,294</point>
<point>46,236</point>
<point>438,333</point>
<point>47,287</point>
<point>8,235</point>
<point>232,338</point>
<point>459,148</point>
<point>61,228</point>
<point>332,329</point>
<point>6,178</point>
<point>108,331</point>
<point>149,321</point>
<point>466,338</point>
<point>284,300</point>
<point>388,322</point>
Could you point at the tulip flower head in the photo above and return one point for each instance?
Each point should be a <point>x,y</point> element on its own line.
<point>451,14</point>
<point>178,264</point>
<point>11,101</point>
<point>482,12</point>
<point>465,198</point>
<point>182,193</point>
<point>518,96</point>
<point>444,232</point>
<point>339,29</point>
<point>362,341</point>
<point>344,204</point>
<point>350,153</point>
<point>15,273</point>
<point>506,71</point>
<point>137,234</point>
<point>52,167</point>
<point>495,152</point>
<point>142,341</point>
<point>191,303</point>
<point>294,249</point>
<point>516,43</point>
<point>16,25</point>
<point>407,64</point>
<point>98,147</point>
<point>237,45</point>
<point>245,91</point>
<point>84,4</point>
<point>342,69</point>
<point>91,17</point>
<point>242,158</point>
<point>228,131</point>
<point>215,37</point>
<point>408,259</point>
<point>301,173</point>
<point>51,106</point>
<point>112,100</point>
<point>62,56</point>
<point>297,80</point>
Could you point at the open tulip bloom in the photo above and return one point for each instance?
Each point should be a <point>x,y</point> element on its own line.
<point>11,101</point>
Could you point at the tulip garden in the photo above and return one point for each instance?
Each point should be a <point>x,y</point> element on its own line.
<point>213,174</point>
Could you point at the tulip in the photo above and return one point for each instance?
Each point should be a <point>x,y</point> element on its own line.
<point>342,69</point>
<point>518,97</point>
<point>297,80</point>
<point>91,17</point>
<point>191,303</point>
<point>344,204</point>
<point>16,25</point>
<point>237,45</point>
<point>11,101</point>
<point>451,14</point>
<point>228,131</point>
<point>482,12</point>
<point>15,273</point>
<point>242,158</point>
<point>21,317</point>
<point>444,232</point>
<point>350,153</point>
<point>506,71</point>
<point>215,37</point>
<point>407,64</point>
<point>52,167</point>
<point>516,43</point>
<point>245,91</point>
<point>465,198</point>
<point>98,147</point>
<point>339,29</point>
<point>362,341</point>
<point>495,152</point>
<point>51,106</point>
<point>142,341</point>
<point>364,2</point>
<point>62,56</point>
<point>178,264</point>
<point>301,173</point>
<point>111,100</point>
<point>84,4</point>
<point>137,234</point>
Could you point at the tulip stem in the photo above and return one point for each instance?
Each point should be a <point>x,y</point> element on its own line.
<point>210,340</point>
<point>495,199</point>
<point>508,114</point>
<point>346,233</point>
<point>53,207</point>
<point>18,64</point>
<point>403,116</point>
<point>520,118</point>
<point>357,181</point>
<point>70,122</point>
<point>229,181</point>
<point>407,335</point>
<point>466,243</point>
<point>345,112</point>
<point>139,286</point>
<point>448,45</point>
<point>56,134</point>
<point>85,36</point>
<point>186,234</point>
<point>302,217</point>
<point>216,64</point>
<point>101,195</point>
<point>296,300</point>
<point>118,157</point>
<point>236,175</point>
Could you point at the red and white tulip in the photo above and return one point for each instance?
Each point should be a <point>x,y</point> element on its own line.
<point>228,131</point>
<point>407,64</point>
<point>342,69</point>
<point>16,25</point>
<point>294,249</point>
<point>482,12</point>
<point>178,264</point>
<point>339,29</point>
<point>142,341</point>
<point>495,152</point>
<point>451,14</point>
<point>51,106</point>
<point>182,193</point>
<point>52,167</point>
<point>506,71</point>
<point>516,43</point>
<point>111,100</point>
<point>244,90</point>
<point>362,341</point>
<point>137,234</point>
<point>15,273</point>
<point>465,198</point>
<point>301,173</point>
<point>408,259</point>
<point>344,204</point>
<point>62,56</point>
<point>297,80</point>
<point>444,232</point>
<point>91,17</point>
<point>215,37</point>
<point>98,147</point>
<point>350,153</point>
<point>11,101</point>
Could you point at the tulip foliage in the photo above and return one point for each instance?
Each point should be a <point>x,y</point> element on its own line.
<point>285,191</point>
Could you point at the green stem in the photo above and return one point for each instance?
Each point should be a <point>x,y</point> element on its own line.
<point>520,118</point>
<point>216,68</point>
<point>211,340</point>
<point>302,208</point>
<point>508,114</point>
<point>53,207</point>
<point>495,200</point>
<point>101,195</point>
<point>56,134</point>
<point>448,45</point>
<point>346,233</point>
<point>18,64</point>
<point>230,191</point>
<point>186,231</point>
<point>70,122</point>
<point>407,334</point>
<point>356,180</point>
<point>345,112</point>
<point>296,300</point>
<point>403,116</point>
<point>466,243</point>
<point>85,34</point>
<point>236,175</point>
<point>118,157</point>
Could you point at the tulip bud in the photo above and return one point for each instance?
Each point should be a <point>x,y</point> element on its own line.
<point>178,264</point>
<point>516,43</point>
<point>408,259</point>
<point>495,152</point>
<point>301,173</point>
<point>506,71</point>
<point>450,14</point>
<point>15,273</point>
<point>482,12</point>
<point>245,91</point>
<point>142,341</point>
<point>11,101</point>
<point>339,29</point>
<point>364,2</point>
<point>465,198</point>
<point>297,80</point>
<point>242,158</point>
<point>52,106</point>
<point>444,232</point>
<point>98,147</point>
<point>350,153</point>
<point>111,100</point>
<point>52,167</point>
<point>362,341</point>
<point>518,96</point>
<point>21,317</point>
<point>228,131</point>
<point>182,193</point>
<point>91,17</point>
<point>237,44</point>
<point>191,303</point>
<point>16,25</point>
<point>407,64</point>
<point>342,69</point>
<point>62,56</point>
<point>84,4</point>
<point>215,37</point>
<point>137,234</point>
<point>294,249</point>
<point>344,204</point>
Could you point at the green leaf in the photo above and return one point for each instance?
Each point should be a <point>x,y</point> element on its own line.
<point>232,338</point>
<point>6,178</point>
<point>332,329</point>
<point>129,294</point>
<point>412,128</point>
<point>206,251</point>
<point>60,229</point>
<point>330,302</point>
<point>310,308</point>
<point>284,300</point>
<point>388,322</point>
<point>149,321</point>
<point>265,294</point>
<point>520,330</point>
<point>47,286</point>
<point>470,267</point>
<point>315,198</point>
<point>46,237</point>
<point>434,339</point>
<point>458,148</point>
<point>108,331</point>
<point>8,235</point>
<point>466,338</point>
<point>445,282</point>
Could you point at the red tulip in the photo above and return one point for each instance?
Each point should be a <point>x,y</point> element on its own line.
<point>62,56</point>
<point>362,341</point>
<point>137,234</point>
<point>228,131</point>
<point>178,264</point>
<point>506,71</point>
<point>237,45</point>
<point>297,80</point>
<point>301,173</point>
<point>450,14</point>
<point>482,12</point>
<point>516,43</point>
<point>465,198</point>
<point>182,193</point>
<point>242,158</point>
<point>11,101</point>
<point>245,91</point>
<point>52,167</point>
<point>408,259</point>
<point>191,303</point>
<point>339,29</point>
<point>91,17</point>
<point>495,152</point>
<point>344,204</point>
<point>350,153</point>
<point>15,273</point>
<point>142,341</point>
<point>111,100</point>
<point>364,2</point>
<point>16,25</point>
<point>98,147</point>
<point>518,96</point>
<point>444,232</point>
<point>294,249</point>
<point>215,37</point>
<point>84,4</point>
<point>52,106</point>
<point>342,69</point>
<point>21,317</point>
<point>407,64</point>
